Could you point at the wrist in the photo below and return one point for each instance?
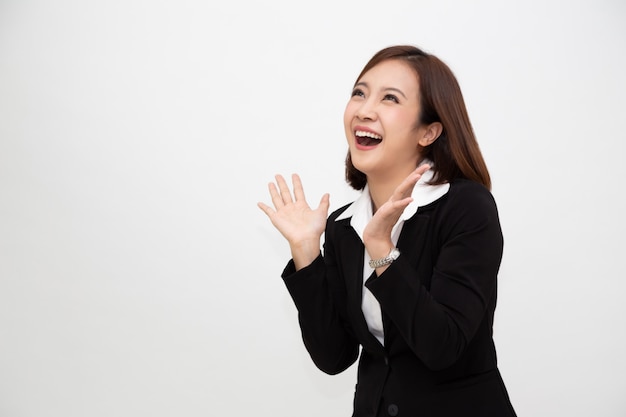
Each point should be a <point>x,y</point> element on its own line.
<point>383,262</point>
<point>304,252</point>
<point>379,248</point>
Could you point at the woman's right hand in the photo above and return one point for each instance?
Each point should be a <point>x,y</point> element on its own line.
<point>295,220</point>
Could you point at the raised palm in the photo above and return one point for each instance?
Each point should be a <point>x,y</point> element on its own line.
<point>292,216</point>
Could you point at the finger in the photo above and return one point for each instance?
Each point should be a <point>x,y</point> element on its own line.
<point>390,212</point>
<point>402,204</point>
<point>277,200</point>
<point>414,177</point>
<point>419,172</point>
<point>298,190</point>
<point>422,169</point>
<point>324,203</point>
<point>266,209</point>
<point>285,194</point>
<point>396,206</point>
<point>405,188</point>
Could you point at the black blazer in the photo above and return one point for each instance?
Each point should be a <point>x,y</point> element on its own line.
<point>437,300</point>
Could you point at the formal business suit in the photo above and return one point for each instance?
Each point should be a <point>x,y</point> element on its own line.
<point>437,300</point>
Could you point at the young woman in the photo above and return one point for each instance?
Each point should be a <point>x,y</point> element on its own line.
<point>409,269</point>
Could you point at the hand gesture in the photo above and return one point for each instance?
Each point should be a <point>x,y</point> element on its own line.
<point>377,233</point>
<point>295,220</point>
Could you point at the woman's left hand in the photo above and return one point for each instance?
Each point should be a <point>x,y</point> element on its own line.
<point>377,233</point>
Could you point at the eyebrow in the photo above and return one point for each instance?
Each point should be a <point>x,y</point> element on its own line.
<point>364,84</point>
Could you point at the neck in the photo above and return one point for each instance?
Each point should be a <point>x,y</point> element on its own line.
<point>381,188</point>
<point>379,194</point>
<point>382,185</point>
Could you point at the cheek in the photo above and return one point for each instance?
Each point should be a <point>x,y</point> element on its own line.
<point>348,112</point>
<point>406,123</point>
<point>348,115</point>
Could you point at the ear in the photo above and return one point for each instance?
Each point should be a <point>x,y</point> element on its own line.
<point>430,134</point>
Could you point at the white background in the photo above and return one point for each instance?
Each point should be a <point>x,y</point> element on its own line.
<point>137,275</point>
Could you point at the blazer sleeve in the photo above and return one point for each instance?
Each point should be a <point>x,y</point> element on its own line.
<point>320,298</point>
<point>439,323</point>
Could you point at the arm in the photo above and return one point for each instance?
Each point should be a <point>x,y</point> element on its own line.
<point>320,297</point>
<point>312,280</point>
<point>439,324</point>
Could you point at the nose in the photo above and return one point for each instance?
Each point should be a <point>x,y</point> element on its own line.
<point>366,111</point>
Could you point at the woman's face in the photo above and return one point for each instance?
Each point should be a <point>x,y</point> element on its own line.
<point>381,121</point>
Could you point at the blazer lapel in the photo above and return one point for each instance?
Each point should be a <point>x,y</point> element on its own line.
<point>351,250</point>
<point>412,240</point>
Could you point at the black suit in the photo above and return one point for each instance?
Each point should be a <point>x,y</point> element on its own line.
<point>437,300</point>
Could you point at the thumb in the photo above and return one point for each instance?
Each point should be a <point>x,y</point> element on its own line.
<point>325,202</point>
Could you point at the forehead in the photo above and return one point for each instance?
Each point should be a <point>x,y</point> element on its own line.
<point>391,73</point>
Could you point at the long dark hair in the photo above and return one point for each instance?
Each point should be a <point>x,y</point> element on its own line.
<point>455,154</point>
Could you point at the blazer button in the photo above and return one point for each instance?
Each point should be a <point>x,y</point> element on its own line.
<point>393,410</point>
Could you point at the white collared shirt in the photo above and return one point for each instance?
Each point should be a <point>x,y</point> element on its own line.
<point>360,214</point>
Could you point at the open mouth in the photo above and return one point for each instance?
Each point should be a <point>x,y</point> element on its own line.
<point>368,139</point>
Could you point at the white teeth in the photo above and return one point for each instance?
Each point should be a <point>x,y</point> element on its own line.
<point>361,133</point>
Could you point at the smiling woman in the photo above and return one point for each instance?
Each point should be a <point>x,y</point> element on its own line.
<point>385,106</point>
<point>408,272</point>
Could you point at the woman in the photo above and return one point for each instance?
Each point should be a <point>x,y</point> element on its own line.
<point>409,269</point>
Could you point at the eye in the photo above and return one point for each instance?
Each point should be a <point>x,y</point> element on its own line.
<point>357,92</point>
<point>391,97</point>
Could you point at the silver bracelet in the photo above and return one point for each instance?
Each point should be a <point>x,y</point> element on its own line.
<point>393,255</point>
